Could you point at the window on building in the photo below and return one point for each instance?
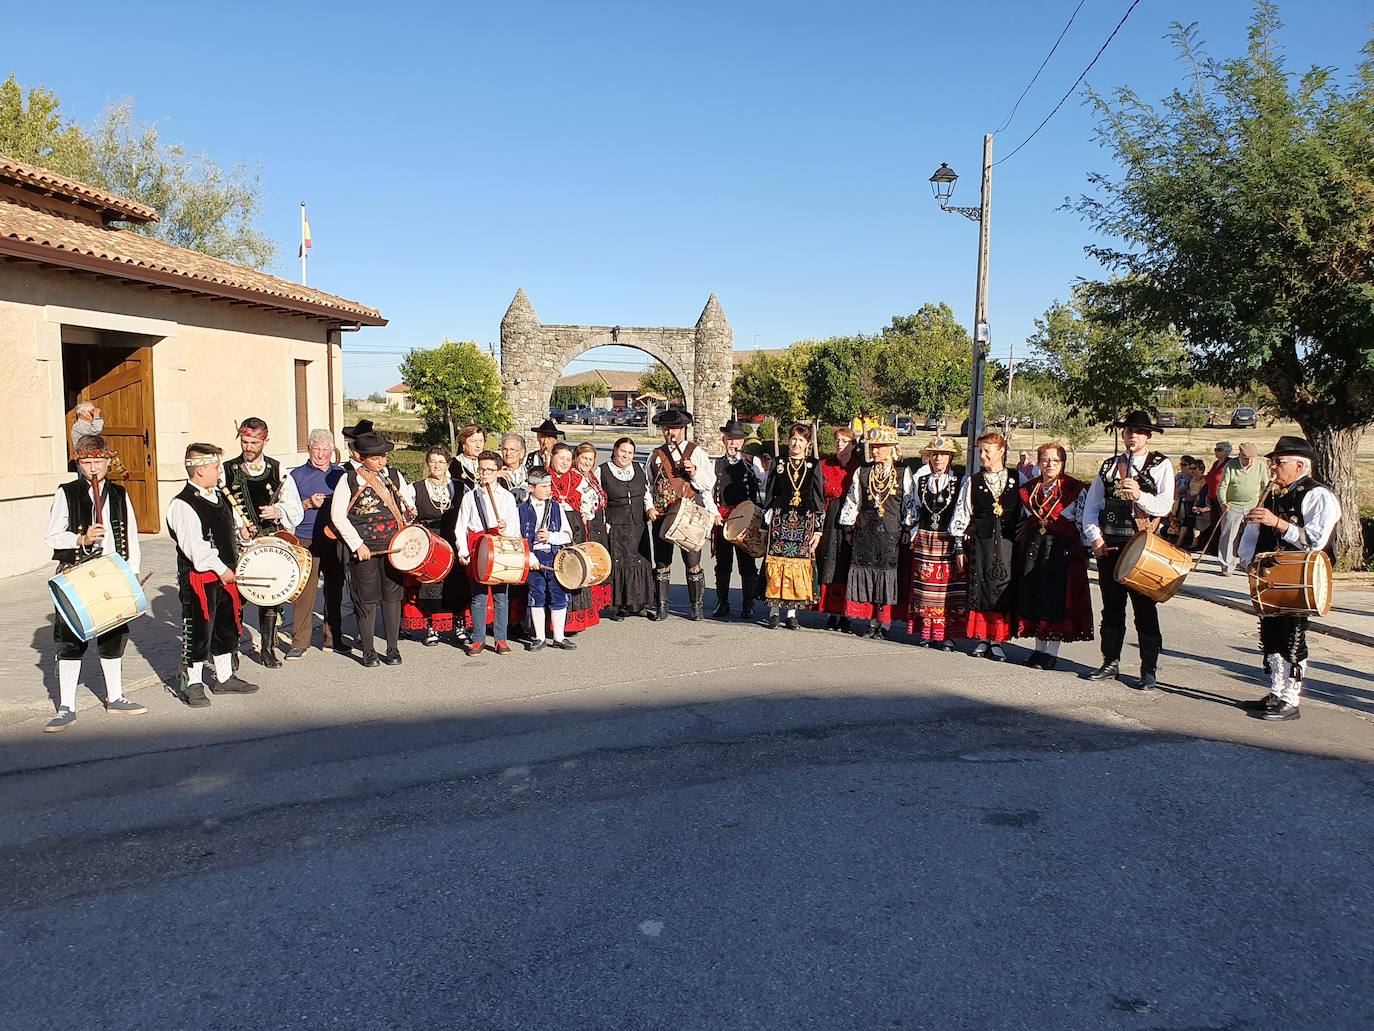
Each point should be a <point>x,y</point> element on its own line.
<point>302,407</point>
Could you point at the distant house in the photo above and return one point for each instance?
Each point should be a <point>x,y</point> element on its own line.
<point>173,346</point>
<point>399,399</point>
<point>615,388</point>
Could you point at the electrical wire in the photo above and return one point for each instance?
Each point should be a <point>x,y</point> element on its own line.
<point>1012,113</point>
<point>1082,75</point>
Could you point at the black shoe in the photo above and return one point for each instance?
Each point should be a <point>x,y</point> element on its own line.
<point>996,654</point>
<point>832,623</point>
<point>1282,711</point>
<point>269,658</point>
<point>189,694</point>
<point>431,638</point>
<point>791,623</point>
<point>536,645</point>
<point>981,651</point>
<point>1269,701</point>
<point>772,621</point>
<point>883,633</point>
<point>342,649</point>
<point>721,611</point>
<point>747,613</point>
<point>564,645</point>
<point>1049,662</point>
<point>392,657</point>
<point>235,686</point>
<point>1035,660</point>
<point>295,653</point>
<point>370,659</point>
<point>1109,670</point>
<point>615,613</point>
<point>844,624</point>
<point>946,645</point>
<point>1148,681</point>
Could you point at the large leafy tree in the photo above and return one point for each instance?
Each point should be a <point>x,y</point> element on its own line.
<point>771,384</point>
<point>924,362</point>
<point>1244,212</point>
<point>200,205</point>
<point>658,379</point>
<point>455,384</point>
<point>840,379</point>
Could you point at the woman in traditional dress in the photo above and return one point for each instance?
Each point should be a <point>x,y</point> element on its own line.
<point>628,512</point>
<point>837,475</point>
<point>874,508</point>
<point>584,461</point>
<point>428,610</point>
<point>794,508</point>
<point>938,591</point>
<point>1053,603</point>
<point>579,500</point>
<point>471,443</point>
<point>984,525</point>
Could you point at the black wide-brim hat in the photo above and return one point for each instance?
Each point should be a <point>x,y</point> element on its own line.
<point>1138,420</point>
<point>734,428</point>
<point>358,429</point>
<point>548,428</point>
<point>372,444</point>
<point>1298,447</point>
<point>673,417</point>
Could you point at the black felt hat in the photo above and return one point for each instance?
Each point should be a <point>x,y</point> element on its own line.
<point>734,428</point>
<point>1138,420</point>
<point>548,428</point>
<point>673,417</point>
<point>371,443</point>
<point>362,426</point>
<point>1298,447</point>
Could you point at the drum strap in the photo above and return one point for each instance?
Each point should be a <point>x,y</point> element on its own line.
<point>387,493</point>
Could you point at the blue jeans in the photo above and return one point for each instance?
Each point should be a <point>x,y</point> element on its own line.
<point>500,594</point>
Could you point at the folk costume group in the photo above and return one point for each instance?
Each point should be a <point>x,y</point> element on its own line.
<point>982,557</point>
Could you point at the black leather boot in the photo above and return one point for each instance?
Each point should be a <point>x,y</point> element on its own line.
<point>663,578</point>
<point>1111,656</point>
<point>696,592</point>
<point>267,626</point>
<point>748,585</point>
<point>1150,647</point>
<point>722,609</point>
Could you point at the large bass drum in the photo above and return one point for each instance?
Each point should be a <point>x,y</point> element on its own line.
<point>1291,583</point>
<point>1151,566</point>
<point>272,571</point>
<point>98,595</point>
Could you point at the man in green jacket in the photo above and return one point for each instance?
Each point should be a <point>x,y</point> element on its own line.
<point>1242,482</point>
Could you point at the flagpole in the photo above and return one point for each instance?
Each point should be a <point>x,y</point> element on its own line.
<point>303,258</point>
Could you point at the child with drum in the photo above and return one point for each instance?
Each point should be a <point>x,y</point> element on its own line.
<point>91,518</point>
<point>542,526</point>
<point>488,510</point>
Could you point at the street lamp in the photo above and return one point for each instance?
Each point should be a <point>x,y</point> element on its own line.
<point>942,186</point>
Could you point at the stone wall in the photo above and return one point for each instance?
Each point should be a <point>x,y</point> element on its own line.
<point>534,355</point>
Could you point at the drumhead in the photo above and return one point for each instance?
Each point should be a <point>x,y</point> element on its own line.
<point>739,521</point>
<point>268,572</point>
<point>1130,554</point>
<point>1321,583</point>
<point>409,548</point>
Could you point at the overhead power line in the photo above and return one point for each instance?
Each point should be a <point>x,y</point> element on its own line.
<point>1069,93</point>
<point>1012,113</point>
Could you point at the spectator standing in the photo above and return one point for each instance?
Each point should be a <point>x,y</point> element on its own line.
<point>1242,482</point>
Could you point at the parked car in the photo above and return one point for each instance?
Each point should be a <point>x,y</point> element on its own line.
<point>934,422</point>
<point>639,417</point>
<point>600,417</point>
<point>578,413</point>
<point>558,415</point>
<point>1168,420</point>
<point>905,427</point>
<point>1243,418</point>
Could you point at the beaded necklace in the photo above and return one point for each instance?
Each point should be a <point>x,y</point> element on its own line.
<point>1043,502</point>
<point>882,486</point>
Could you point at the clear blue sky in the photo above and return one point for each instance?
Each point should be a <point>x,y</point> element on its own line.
<point>621,161</point>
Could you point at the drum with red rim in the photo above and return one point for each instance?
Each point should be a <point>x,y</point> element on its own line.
<point>501,560</point>
<point>421,553</point>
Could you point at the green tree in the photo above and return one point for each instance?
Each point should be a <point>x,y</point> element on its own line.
<point>455,384</point>
<point>658,379</point>
<point>32,130</point>
<point>1243,207</point>
<point>377,397</point>
<point>567,397</point>
<point>840,379</point>
<point>924,362</point>
<point>772,385</point>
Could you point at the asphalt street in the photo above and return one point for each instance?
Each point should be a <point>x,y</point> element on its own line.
<point>703,825</point>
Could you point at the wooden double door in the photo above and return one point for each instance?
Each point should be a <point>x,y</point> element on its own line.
<point>119,381</point>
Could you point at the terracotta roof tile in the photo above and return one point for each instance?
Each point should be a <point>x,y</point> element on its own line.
<point>71,189</point>
<point>399,388</point>
<point>50,233</point>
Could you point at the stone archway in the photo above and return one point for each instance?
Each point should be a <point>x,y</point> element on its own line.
<point>533,355</point>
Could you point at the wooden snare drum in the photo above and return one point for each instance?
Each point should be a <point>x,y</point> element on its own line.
<point>1291,583</point>
<point>1151,566</point>
<point>272,571</point>
<point>687,525</point>
<point>97,596</point>
<point>421,553</point>
<point>744,529</point>
<point>582,565</point>
<point>501,560</point>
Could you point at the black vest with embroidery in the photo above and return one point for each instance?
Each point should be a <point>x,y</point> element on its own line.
<point>937,506</point>
<point>369,513</point>
<point>1118,513</point>
<point>216,525</point>
<point>254,492</point>
<point>989,508</point>
<point>877,535</point>
<point>735,482</point>
<point>81,515</point>
<point>1287,505</point>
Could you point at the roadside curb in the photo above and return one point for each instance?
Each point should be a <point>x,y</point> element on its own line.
<point>1313,625</point>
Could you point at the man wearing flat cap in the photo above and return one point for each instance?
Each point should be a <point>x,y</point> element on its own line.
<point>1132,491</point>
<point>678,470</point>
<point>1298,515</point>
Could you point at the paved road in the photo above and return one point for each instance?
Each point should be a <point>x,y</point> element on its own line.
<point>702,826</point>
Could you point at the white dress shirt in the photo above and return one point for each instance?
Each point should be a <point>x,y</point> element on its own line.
<point>703,480</point>
<point>1156,505</point>
<point>184,523</point>
<point>1320,514</point>
<point>288,496</point>
<point>556,537</point>
<point>476,506</point>
<point>963,505</point>
<point>341,501</point>
<point>61,537</point>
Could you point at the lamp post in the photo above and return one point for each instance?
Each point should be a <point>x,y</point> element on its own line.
<point>942,185</point>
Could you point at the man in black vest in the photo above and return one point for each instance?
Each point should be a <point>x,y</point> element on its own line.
<point>1298,514</point>
<point>1132,491</point>
<point>267,505</point>
<point>202,524</point>
<point>91,517</point>
<point>737,481</point>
